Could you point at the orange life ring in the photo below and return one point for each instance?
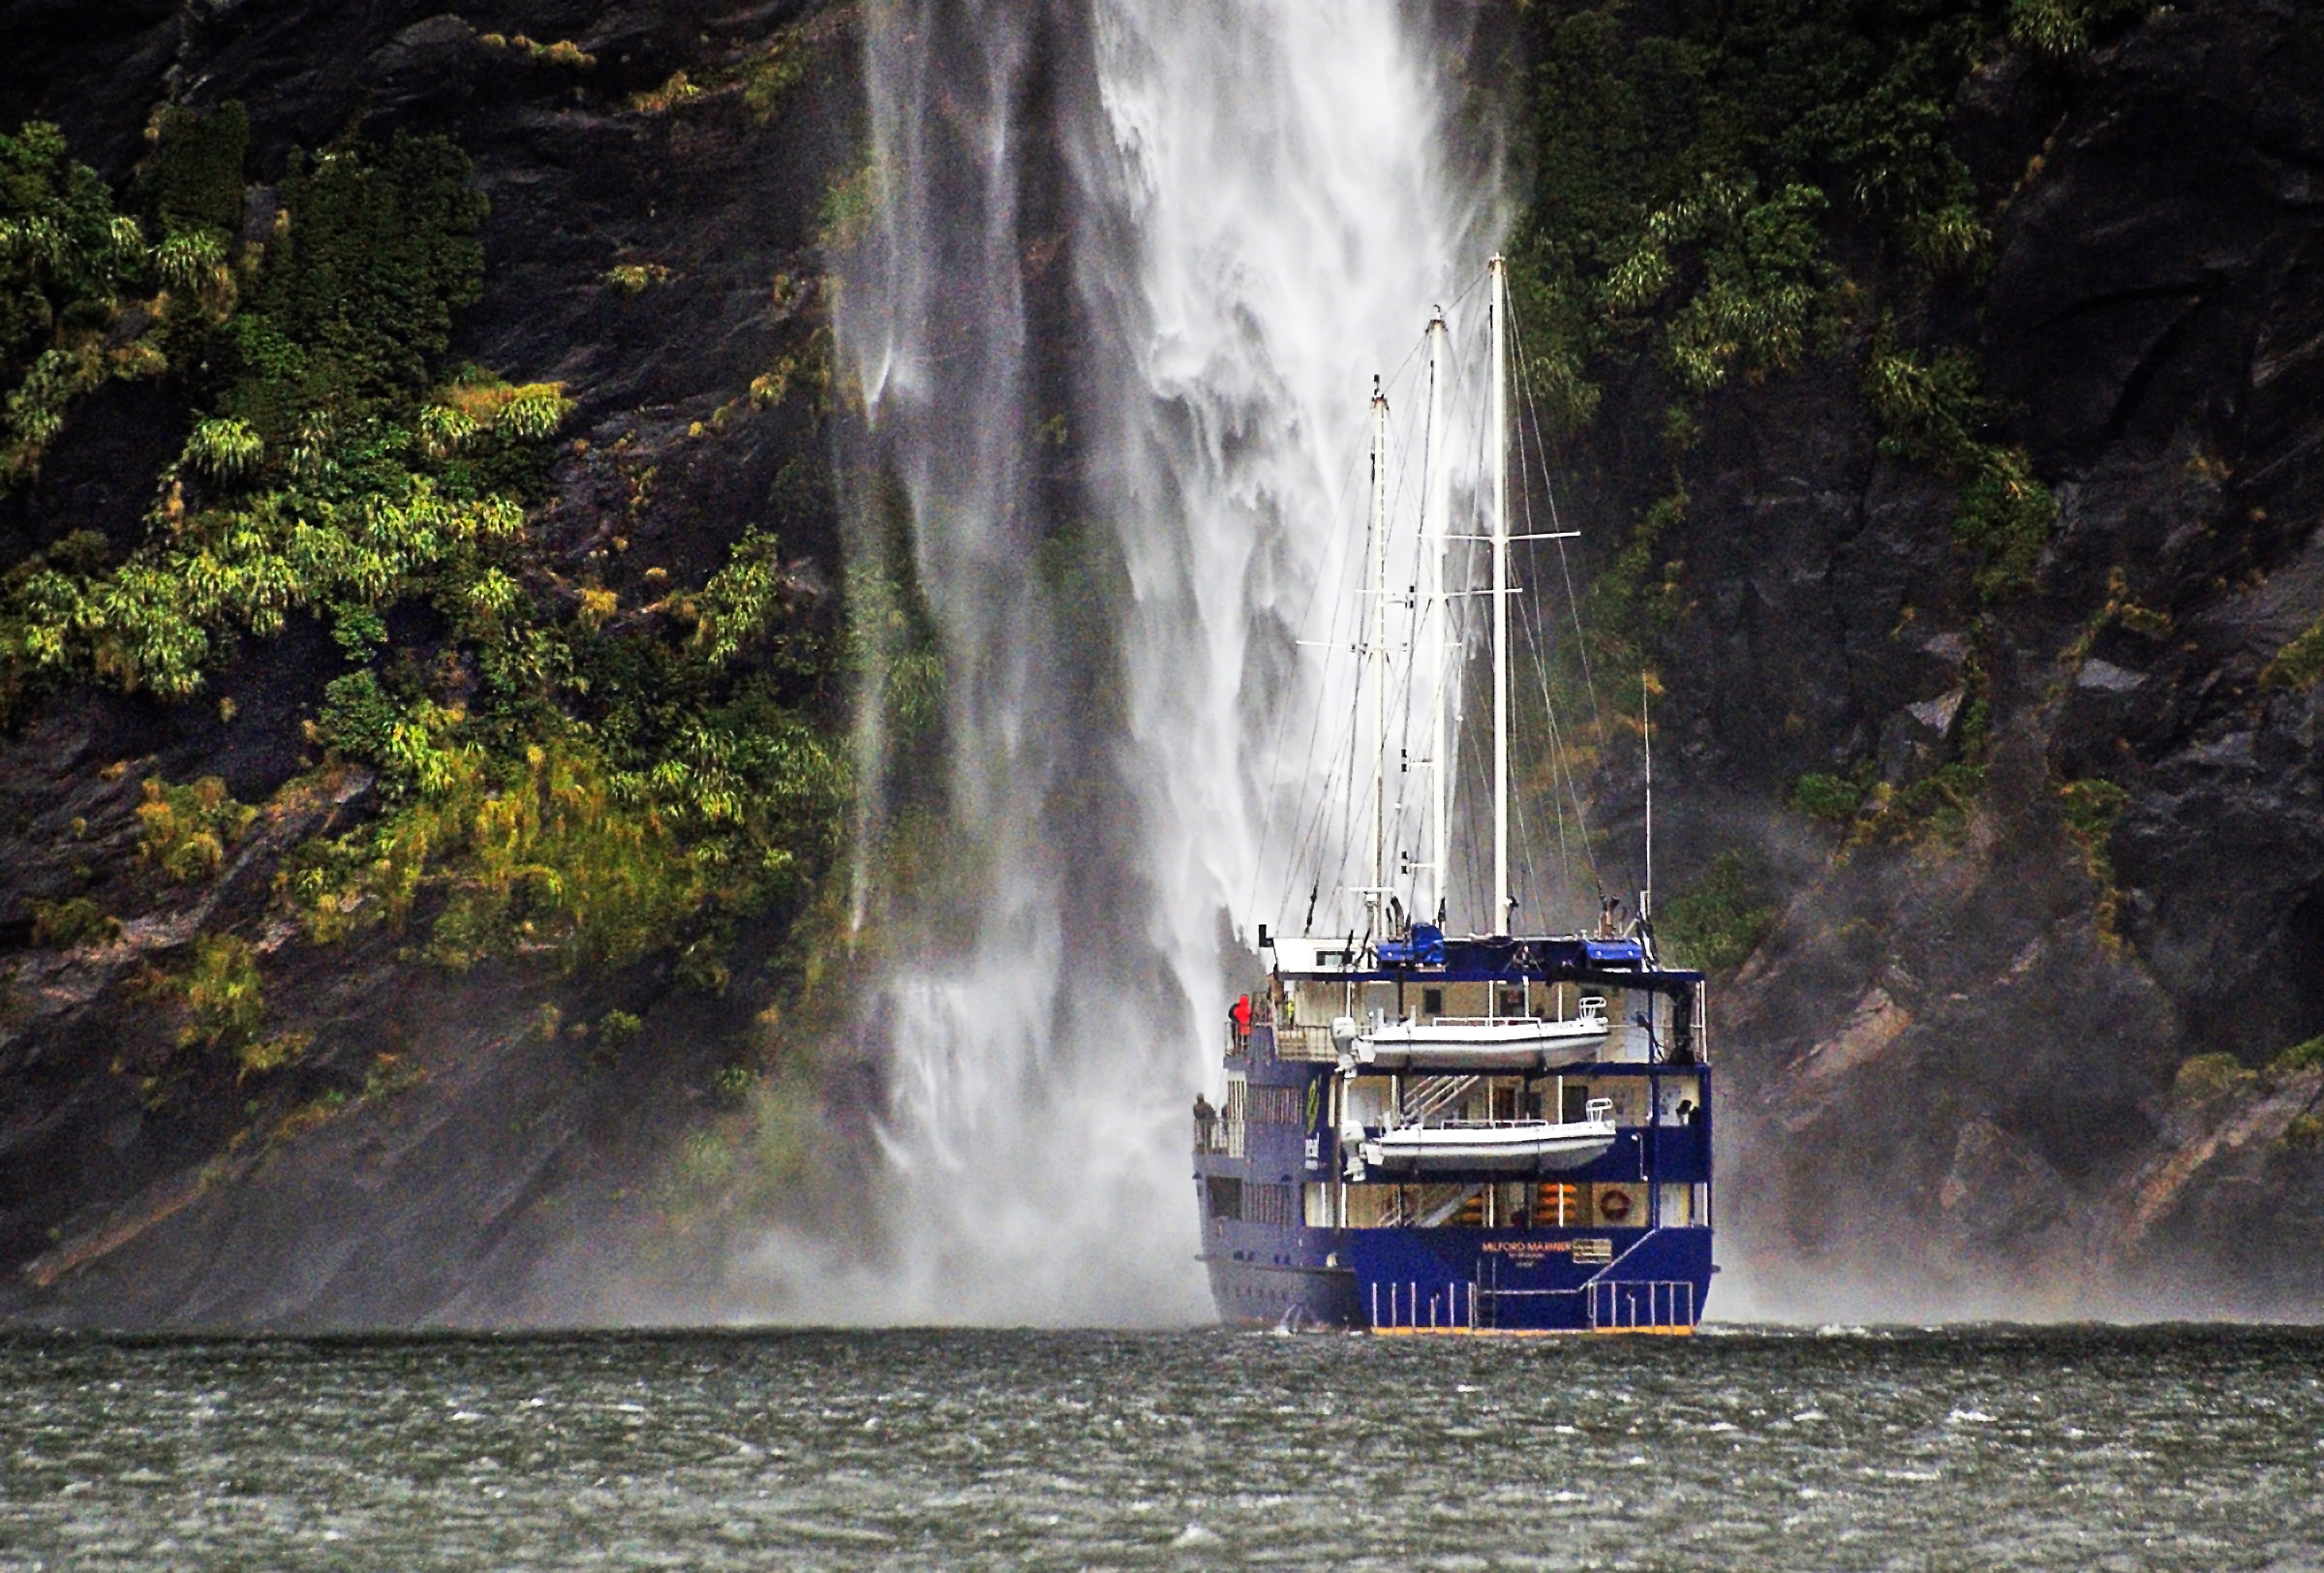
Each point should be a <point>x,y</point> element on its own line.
<point>1613,1205</point>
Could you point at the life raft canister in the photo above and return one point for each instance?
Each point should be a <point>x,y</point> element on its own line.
<point>1613,1205</point>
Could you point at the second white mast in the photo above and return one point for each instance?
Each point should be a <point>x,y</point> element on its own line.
<point>1433,631</point>
<point>1376,651</point>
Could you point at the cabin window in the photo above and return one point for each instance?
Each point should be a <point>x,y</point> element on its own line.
<point>1432,1002</point>
<point>1373,1206</point>
<point>1678,1207</point>
<point>1433,1206</point>
<point>1679,1100</point>
<point>1576,1102</point>
<point>1365,1101</point>
<point>1225,1196</point>
<point>1513,1002</point>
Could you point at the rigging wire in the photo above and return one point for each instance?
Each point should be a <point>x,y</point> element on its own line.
<point>1312,816</point>
<point>1334,550</point>
<point>1559,759</point>
<point>1581,643</point>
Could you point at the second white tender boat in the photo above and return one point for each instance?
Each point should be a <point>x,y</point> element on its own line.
<point>1509,1146</point>
<point>1474,1043</point>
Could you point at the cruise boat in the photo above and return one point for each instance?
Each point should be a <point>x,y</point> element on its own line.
<point>1425,1131</point>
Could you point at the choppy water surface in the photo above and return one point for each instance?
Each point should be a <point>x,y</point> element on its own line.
<point>2082,1449</point>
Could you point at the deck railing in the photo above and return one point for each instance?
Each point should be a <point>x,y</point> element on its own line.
<point>1424,1306</point>
<point>1221,1135</point>
<point>1615,1304</point>
<point>1310,1044</point>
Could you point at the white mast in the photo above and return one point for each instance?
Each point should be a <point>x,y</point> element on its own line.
<point>1646,730</point>
<point>1432,627</point>
<point>1376,654</point>
<point>1498,421</point>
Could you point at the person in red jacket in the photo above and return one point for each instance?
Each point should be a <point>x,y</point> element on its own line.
<point>1239,1013</point>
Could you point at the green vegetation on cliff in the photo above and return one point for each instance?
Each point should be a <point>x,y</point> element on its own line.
<point>1697,168</point>
<point>69,263</point>
<point>554,774</point>
<point>1700,174</point>
<point>1720,919</point>
<point>1724,195</point>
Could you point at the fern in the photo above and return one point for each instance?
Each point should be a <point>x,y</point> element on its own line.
<point>225,448</point>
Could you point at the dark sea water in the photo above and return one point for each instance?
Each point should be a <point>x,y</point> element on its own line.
<point>2180,1448</point>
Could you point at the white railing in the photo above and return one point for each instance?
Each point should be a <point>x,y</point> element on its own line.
<point>1595,1020</point>
<point>1219,1138</point>
<point>1616,1305</point>
<point>1424,1306</point>
<point>1304,1042</point>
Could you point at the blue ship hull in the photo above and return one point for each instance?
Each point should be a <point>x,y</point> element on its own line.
<point>1283,1249</point>
<point>1460,1280</point>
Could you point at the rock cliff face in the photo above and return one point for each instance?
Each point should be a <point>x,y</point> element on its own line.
<point>448,1149</point>
<point>2027,1059</point>
<point>1966,1049</point>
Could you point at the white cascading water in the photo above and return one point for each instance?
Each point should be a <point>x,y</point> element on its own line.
<point>1259,205</point>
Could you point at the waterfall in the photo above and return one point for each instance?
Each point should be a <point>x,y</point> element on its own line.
<point>1136,264</point>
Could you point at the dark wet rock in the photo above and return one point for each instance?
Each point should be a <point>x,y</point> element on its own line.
<point>2000,1196</point>
<point>2156,313</point>
<point>2230,1214</point>
<point>99,473</point>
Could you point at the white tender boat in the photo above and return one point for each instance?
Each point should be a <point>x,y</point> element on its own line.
<point>1474,1044</point>
<point>1507,1146</point>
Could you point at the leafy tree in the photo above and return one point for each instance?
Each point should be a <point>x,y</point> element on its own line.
<point>195,173</point>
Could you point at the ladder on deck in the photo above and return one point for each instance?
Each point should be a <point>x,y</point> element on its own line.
<point>1432,1095</point>
<point>1424,1206</point>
